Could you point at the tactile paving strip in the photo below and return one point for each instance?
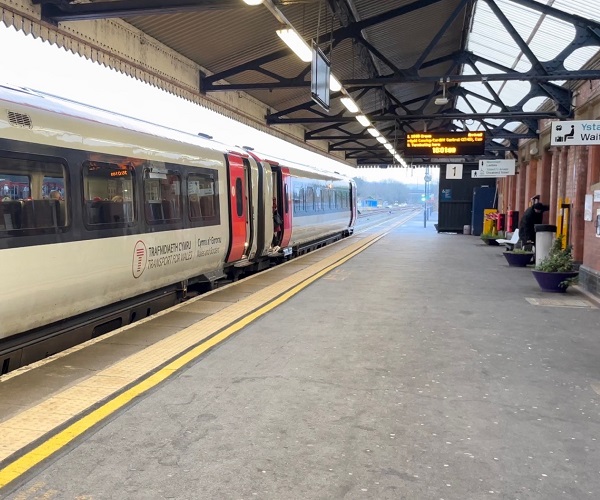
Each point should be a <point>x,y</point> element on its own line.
<point>561,302</point>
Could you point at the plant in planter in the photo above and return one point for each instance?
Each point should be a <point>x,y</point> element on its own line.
<point>490,238</point>
<point>519,257</point>
<point>557,271</point>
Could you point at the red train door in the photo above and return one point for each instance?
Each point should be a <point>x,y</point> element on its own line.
<point>286,206</point>
<point>238,207</point>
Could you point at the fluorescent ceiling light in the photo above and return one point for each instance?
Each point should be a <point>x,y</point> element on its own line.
<point>382,139</point>
<point>374,132</point>
<point>296,43</point>
<point>350,104</point>
<point>334,84</point>
<point>253,2</point>
<point>363,120</point>
<point>398,157</point>
<point>388,146</point>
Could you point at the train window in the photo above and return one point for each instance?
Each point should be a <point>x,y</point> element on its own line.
<point>31,195</point>
<point>108,194</point>
<point>296,200</point>
<point>318,200</point>
<point>162,196</point>
<point>239,197</point>
<point>302,200</point>
<point>203,198</point>
<point>327,199</point>
<point>310,199</point>
<point>286,201</point>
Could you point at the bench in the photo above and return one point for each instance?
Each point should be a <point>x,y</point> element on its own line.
<point>510,244</point>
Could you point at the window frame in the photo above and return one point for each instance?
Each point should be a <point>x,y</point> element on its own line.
<point>58,162</point>
<point>204,221</point>
<point>161,222</point>
<point>84,202</point>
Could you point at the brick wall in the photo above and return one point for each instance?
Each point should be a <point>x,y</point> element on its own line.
<point>565,172</point>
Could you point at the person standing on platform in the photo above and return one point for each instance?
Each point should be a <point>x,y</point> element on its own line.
<point>532,216</point>
<point>277,226</point>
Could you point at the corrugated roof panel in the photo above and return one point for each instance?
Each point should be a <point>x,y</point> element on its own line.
<point>579,58</point>
<point>578,7</point>
<point>215,39</point>
<point>546,36</point>
<point>513,91</point>
<point>403,39</point>
<point>553,29</point>
<point>223,39</point>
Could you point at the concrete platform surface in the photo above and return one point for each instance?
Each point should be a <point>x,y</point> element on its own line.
<point>422,368</point>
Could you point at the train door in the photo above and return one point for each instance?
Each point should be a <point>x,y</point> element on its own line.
<point>353,204</point>
<point>284,203</point>
<point>238,208</point>
<point>251,175</point>
<point>262,202</point>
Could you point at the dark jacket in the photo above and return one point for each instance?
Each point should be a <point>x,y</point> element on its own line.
<point>529,220</point>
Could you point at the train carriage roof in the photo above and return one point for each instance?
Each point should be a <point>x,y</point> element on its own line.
<point>33,99</point>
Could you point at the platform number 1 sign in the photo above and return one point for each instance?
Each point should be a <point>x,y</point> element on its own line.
<point>454,171</point>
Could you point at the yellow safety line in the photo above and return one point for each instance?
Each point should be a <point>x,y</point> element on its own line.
<point>23,464</point>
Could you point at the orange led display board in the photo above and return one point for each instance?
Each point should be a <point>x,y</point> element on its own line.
<point>445,144</point>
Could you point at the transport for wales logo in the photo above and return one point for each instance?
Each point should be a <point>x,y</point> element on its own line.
<point>140,258</point>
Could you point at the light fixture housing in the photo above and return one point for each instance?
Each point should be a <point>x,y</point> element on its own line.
<point>350,104</point>
<point>374,132</point>
<point>334,84</point>
<point>295,42</point>
<point>442,101</point>
<point>363,120</point>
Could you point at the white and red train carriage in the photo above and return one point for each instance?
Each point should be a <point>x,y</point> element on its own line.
<point>105,219</point>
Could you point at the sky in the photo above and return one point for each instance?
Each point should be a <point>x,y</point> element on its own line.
<point>38,65</point>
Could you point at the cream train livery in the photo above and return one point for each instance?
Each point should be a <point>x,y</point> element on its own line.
<point>105,219</point>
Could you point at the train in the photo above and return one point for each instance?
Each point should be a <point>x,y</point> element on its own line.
<point>106,219</point>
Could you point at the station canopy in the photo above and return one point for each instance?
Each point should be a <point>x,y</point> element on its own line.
<point>496,66</point>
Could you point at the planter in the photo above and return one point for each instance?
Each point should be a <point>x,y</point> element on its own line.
<point>490,241</point>
<point>551,282</point>
<point>518,259</point>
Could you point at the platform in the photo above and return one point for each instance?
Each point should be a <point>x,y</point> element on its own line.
<point>399,363</point>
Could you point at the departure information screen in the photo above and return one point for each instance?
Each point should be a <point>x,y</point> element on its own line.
<point>445,144</point>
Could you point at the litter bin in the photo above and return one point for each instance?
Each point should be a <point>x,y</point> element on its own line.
<point>512,220</point>
<point>544,237</point>
<point>501,222</point>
